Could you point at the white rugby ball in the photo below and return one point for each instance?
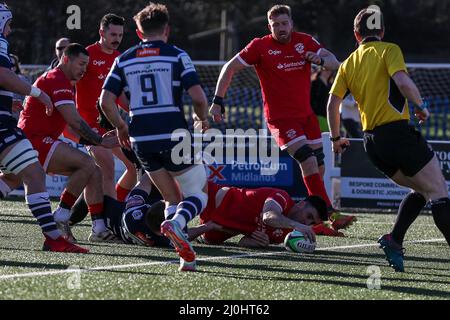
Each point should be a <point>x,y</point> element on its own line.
<point>295,241</point>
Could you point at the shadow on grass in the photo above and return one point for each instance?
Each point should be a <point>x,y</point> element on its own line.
<point>359,280</point>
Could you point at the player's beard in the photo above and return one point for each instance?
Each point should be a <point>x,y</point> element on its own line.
<point>284,37</point>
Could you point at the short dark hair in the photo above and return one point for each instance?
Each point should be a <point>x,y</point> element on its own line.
<point>361,23</point>
<point>279,9</point>
<point>320,205</point>
<point>155,216</point>
<point>73,50</point>
<point>110,19</point>
<point>153,17</point>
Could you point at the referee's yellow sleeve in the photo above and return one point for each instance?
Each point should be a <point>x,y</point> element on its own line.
<point>339,87</point>
<point>394,60</point>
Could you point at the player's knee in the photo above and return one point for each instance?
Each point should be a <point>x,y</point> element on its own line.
<point>192,184</point>
<point>303,154</point>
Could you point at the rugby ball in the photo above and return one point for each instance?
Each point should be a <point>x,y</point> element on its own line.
<point>295,241</point>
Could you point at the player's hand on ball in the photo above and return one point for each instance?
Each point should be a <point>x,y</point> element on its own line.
<point>45,100</point>
<point>313,57</point>
<point>216,113</point>
<point>307,232</point>
<point>340,145</point>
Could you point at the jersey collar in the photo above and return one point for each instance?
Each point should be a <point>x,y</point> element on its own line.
<point>370,39</point>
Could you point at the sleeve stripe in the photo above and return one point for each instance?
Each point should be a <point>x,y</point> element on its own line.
<point>284,199</point>
<point>242,61</point>
<point>185,72</point>
<point>59,103</point>
<point>115,76</point>
<point>272,200</point>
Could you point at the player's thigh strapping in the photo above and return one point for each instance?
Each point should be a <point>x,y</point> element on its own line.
<point>20,156</point>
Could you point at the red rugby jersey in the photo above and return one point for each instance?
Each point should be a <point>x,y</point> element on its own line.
<point>90,86</point>
<point>33,119</point>
<point>284,74</point>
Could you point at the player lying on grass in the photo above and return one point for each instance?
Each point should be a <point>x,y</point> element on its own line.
<point>134,220</point>
<point>263,216</point>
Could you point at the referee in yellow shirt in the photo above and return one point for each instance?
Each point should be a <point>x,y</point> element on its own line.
<point>376,75</point>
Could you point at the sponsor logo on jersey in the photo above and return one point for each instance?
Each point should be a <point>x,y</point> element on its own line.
<point>187,62</point>
<point>98,63</point>
<point>274,52</point>
<point>300,48</point>
<point>101,77</point>
<point>147,52</point>
<point>291,134</point>
<point>48,140</point>
<point>277,233</point>
<point>62,91</point>
<point>291,66</point>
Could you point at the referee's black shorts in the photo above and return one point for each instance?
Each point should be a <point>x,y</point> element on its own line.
<point>397,146</point>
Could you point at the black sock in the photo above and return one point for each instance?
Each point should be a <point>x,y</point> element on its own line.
<point>408,212</point>
<point>441,215</point>
<point>79,211</point>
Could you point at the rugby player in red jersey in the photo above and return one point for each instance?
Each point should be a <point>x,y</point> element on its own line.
<point>57,157</point>
<point>263,216</point>
<point>102,55</point>
<point>283,63</point>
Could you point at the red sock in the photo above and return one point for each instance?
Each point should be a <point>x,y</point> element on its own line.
<point>67,200</point>
<point>95,210</point>
<point>315,186</point>
<point>122,193</point>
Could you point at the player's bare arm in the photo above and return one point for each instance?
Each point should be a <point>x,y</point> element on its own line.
<point>257,239</point>
<point>11,82</point>
<point>80,126</point>
<point>334,123</point>
<point>324,58</point>
<point>223,83</point>
<point>274,218</point>
<point>410,91</point>
<point>108,105</point>
<point>195,232</point>
<point>200,107</point>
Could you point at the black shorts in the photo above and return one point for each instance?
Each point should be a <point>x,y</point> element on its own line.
<point>154,161</point>
<point>397,146</point>
<point>10,136</point>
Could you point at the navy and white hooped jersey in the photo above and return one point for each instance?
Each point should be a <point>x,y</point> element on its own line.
<point>153,75</point>
<point>6,119</point>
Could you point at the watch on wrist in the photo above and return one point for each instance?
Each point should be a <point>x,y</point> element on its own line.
<point>335,139</point>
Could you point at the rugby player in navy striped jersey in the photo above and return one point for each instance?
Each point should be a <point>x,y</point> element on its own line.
<point>153,74</point>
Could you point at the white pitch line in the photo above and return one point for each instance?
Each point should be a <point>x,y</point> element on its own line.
<point>146,264</point>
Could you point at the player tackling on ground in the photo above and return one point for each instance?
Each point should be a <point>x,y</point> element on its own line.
<point>155,74</point>
<point>377,77</point>
<point>283,64</point>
